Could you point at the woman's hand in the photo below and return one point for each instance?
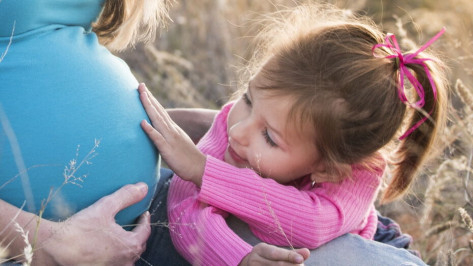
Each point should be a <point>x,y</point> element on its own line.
<point>92,237</point>
<point>264,254</point>
<point>175,146</point>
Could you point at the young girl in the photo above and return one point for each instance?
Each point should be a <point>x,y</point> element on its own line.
<point>299,155</point>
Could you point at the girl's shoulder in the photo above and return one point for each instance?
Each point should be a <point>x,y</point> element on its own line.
<point>221,118</point>
<point>370,172</point>
<point>375,164</point>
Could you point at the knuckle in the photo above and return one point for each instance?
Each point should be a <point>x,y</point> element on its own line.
<point>253,260</point>
<point>259,247</point>
<point>147,230</point>
<point>143,247</point>
<point>133,251</point>
<point>104,203</point>
<point>136,248</point>
<point>130,188</point>
<point>273,253</point>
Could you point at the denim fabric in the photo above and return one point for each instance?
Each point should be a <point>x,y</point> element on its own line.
<point>159,248</point>
<point>347,249</point>
<point>354,250</point>
<point>389,232</point>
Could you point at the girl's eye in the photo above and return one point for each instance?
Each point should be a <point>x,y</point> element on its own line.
<point>246,99</point>
<point>268,138</point>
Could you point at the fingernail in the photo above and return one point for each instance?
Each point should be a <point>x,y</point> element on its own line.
<point>299,259</point>
<point>142,186</point>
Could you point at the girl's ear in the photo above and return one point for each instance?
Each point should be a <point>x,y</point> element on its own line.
<point>322,178</point>
<point>321,174</point>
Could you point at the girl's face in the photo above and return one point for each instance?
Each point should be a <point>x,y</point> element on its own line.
<point>260,137</point>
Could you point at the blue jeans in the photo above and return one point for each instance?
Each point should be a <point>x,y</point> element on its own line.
<point>352,249</point>
<point>347,249</point>
<point>159,248</point>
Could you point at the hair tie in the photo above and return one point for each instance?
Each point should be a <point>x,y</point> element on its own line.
<point>396,63</point>
<point>402,60</point>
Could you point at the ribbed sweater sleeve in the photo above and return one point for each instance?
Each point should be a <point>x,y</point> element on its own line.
<point>199,231</point>
<point>286,215</point>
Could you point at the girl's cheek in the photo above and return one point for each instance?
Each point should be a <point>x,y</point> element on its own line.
<point>257,160</point>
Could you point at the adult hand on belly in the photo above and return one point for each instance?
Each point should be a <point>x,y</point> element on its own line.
<point>77,237</point>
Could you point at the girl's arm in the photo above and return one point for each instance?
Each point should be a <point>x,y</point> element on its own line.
<point>288,216</point>
<point>91,236</point>
<point>199,231</point>
<point>201,234</point>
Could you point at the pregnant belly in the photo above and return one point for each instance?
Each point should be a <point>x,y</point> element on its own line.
<point>70,132</point>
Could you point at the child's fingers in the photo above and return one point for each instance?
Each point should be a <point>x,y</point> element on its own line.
<point>153,134</point>
<point>304,252</point>
<point>141,88</point>
<point>153,99</point>
<point>156,113</point>
<point>273,253</point>
<point>149,102</point>
<point>155,103</point>
<point>154,109</point>
<point>153,114</point>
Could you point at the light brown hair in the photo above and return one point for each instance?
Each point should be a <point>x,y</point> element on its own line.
<point>324,60</point>
<point>122,23</point>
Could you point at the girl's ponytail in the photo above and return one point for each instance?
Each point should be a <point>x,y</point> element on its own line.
<point>423,123</point>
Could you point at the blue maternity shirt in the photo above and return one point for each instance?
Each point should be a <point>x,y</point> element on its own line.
<point>69,112</point>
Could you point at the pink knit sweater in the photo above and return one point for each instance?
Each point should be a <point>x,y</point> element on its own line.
<point>297,214</point>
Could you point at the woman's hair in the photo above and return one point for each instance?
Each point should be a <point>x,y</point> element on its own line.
<point>322,57</point>
<point>122,23</point>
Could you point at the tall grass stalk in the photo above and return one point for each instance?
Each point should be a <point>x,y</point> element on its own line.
<point>9,43</point>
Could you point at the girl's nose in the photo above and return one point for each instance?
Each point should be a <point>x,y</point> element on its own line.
<point>239,133</point>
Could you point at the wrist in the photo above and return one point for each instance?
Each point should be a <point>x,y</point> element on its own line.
<point>244,261</point>
<point>36,229</point>
<point>47,244</point>
<point>199,170</point>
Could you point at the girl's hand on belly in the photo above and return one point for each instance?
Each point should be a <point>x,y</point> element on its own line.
<point>174,145</point>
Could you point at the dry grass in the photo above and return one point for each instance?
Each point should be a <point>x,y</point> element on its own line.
<point>195,62</point>
<point>71,177</point>
<point>28,250</point>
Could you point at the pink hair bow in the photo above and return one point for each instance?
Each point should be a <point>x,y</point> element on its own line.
<point>391,44</point>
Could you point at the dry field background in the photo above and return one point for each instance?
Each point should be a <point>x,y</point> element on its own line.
<point>196,59</point>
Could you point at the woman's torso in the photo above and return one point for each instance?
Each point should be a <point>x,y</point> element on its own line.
<point>69,112</point>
